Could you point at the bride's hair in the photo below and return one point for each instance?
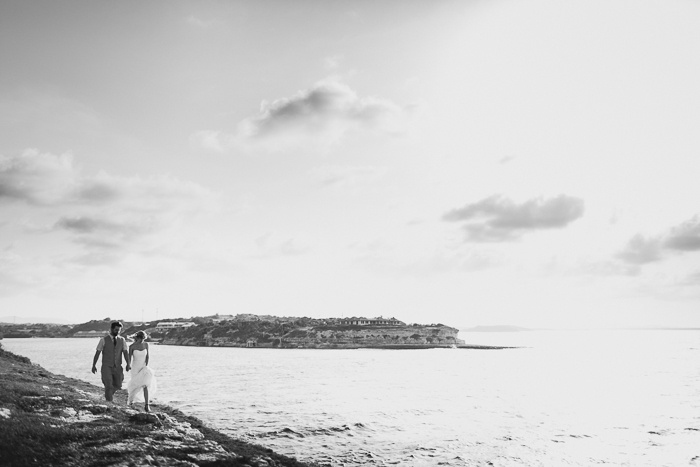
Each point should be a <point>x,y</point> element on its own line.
<point>141,335</point>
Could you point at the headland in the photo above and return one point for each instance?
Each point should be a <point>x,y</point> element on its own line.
<point>315,334</point>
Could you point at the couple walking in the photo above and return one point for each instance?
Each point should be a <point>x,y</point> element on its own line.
<point>112,347</point>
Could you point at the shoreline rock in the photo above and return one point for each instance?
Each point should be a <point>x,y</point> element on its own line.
<point>51,419</point>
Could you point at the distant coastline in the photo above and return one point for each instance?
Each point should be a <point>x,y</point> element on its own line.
<point>267,331</point>
<point>264,331</point>
<point>496,328</point>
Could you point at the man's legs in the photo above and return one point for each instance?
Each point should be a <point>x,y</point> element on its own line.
<point>107,381</point>
<point>117,379</point>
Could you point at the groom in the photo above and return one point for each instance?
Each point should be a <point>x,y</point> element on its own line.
<point>113,346</point>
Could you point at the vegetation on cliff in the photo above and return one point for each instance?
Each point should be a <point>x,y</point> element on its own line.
<point>235,331</point>
<point>304,334</point>
<point>10,330</point>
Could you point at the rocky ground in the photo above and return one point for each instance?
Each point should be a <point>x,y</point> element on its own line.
<point>49,419</point>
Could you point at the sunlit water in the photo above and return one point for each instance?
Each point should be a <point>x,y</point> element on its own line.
<point>563,398</point>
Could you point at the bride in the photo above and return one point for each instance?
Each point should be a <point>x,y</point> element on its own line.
<point>142,377</point>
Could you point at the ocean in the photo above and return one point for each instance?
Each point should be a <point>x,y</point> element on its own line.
<point>561,398</point>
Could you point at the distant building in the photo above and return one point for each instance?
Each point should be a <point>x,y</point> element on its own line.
<point>90,334</point>
<point>371,322</point>
<point>165,326</point>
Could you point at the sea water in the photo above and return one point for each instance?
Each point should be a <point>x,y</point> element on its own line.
<point>559,398</point>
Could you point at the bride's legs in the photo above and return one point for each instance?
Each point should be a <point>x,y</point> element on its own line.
<point>145,397</point>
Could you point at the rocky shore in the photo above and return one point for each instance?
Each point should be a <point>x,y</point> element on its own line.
<point>50,419</point>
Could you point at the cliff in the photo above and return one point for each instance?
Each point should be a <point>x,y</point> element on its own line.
<point>273,335</point>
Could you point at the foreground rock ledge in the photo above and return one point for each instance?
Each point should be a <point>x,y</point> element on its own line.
<point>49,419</point>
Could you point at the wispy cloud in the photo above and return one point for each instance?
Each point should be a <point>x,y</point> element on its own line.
<point>272,245</point>
<point>506,159</point>
<point>498,219</point>
<point>386,256</point>
<point>332,62</point>
<point>319,116</point>
<point>692,279</point>
<point>214,141</point>
<point>198,22</point>
<point>99,212</point>
<point>348,175</point>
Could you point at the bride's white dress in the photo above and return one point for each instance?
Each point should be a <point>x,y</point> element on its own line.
<point>141,376</point>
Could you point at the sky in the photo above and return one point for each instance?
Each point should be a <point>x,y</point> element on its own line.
<point>459,162</point>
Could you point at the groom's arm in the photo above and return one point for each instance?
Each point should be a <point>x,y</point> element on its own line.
<point>128,360</point>
<point>94,361</point>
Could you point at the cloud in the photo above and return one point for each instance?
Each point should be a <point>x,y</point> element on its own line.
<point>641,250</point>
<point>319,108</point>
<point>685,237</point>
<point>143,208</point>
<point>681,238</point>
<point>47,179</point>
<point>319,116</point>
<point>100,189</point>
<point>96,233</point>
<point>85,224</point>
<point>498,219</point>
<point>36,178</point>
